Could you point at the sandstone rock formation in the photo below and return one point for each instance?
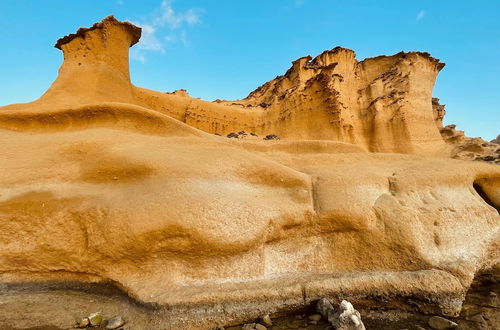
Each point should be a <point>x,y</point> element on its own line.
<point>105,182</point>
<point>461,146</point>
<point>470,148</point>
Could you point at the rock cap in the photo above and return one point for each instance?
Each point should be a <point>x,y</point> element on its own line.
<point>134,31</point>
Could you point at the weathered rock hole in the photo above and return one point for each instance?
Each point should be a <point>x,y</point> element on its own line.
<point>484,196</point>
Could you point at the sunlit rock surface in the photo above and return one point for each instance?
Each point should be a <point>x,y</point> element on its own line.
<point>105,182</point>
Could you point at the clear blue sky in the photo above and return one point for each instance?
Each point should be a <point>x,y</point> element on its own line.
<point>226,48</point>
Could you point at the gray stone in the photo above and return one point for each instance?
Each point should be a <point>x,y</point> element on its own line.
<point>266,320</point>
<point>440,323</point>
<point>115,323</point>
<point>346,318</point>
<point>325,308</point>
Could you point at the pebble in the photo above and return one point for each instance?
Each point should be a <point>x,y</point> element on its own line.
<point>253,326</point>
<point>83,323</point>
<point>294,324</point>
<point>95,319</point>
<point>440,323</point>
<point>315,317</point>
<point>115,323</point>
<point>266,320</point>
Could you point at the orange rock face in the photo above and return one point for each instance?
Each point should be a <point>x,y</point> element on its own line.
<point>103,181</point>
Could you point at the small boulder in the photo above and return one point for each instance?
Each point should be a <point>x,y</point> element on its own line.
<point>266,320</point>
<point>115,323</point>
<point>95,319</point>
<point>345,318</point>
<point>294,324</point>
<point>440,323</point>
<point>259,326</point>
<point>325,308</point>
<point>83,323</point>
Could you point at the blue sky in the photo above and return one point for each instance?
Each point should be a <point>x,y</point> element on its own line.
<point>226,48</point>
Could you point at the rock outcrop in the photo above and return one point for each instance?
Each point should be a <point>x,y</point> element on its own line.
<point>382,103</point>
<point>461,146</point>
<point>467,148</point>
<point>105,182</point>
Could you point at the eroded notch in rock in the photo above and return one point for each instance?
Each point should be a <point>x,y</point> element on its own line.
<point>480,191</point>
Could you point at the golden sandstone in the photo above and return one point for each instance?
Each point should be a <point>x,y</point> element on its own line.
<point>356,197</point>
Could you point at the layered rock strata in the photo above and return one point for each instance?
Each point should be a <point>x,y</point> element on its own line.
<point>105,182</point>
<point>382,104</point>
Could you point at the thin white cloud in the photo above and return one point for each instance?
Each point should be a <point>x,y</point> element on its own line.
<point>137,55</point>
<point>149,40</point>
<point>420,15</point>
<point>159,29</point>
<point>173,19</point>
<point>183,38</point>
